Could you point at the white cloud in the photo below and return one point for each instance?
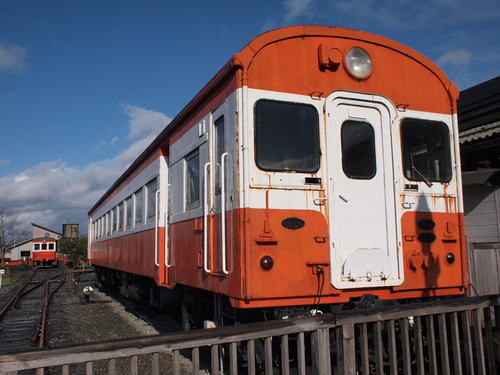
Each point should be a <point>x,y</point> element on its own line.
<point>114,140</point>
<point>99,146</point>
<point>133,151</point>
<point>4,162</point>
<point>12,57</point>
<point>296,8</point>
<point>22,177</point>
<point>144,122</point>
<point>48,192</point>
<point>57,188</point>
<point>293,10</point>
<point>459,59</point>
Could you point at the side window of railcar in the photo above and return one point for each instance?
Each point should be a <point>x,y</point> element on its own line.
<point>139,207</point>
<point>426,150</point>
<point>286,137</point>
<point>51,246</point>
<point>358,150</point>
<point>121,217</point>
<point>151,188</point>
<point>44,246</point>
<point>128,208</point>
<point>109,219</point>
<point>192,180</point>
<point>37,246</point>
<point>114,216</point>
<point>219,150</point>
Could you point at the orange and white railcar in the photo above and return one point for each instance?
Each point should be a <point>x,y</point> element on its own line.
<point>316,153</point>
<point>44,252</point>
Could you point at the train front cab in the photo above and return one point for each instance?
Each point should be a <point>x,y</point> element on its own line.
<point>369,198</point>
<point>376,213</point>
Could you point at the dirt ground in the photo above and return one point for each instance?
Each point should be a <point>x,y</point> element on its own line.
<point>103,319</point>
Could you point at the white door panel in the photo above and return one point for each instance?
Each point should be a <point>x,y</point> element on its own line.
<point>361,199</point>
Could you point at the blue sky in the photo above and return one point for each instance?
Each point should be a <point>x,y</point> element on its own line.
<point>85,86</point>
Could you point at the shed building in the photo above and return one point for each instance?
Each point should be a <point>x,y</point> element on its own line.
<point>479,124</point>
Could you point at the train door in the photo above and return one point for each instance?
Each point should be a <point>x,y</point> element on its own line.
<point>217,195</point>
<point>361,198</point>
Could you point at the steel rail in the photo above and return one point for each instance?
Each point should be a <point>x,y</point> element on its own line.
<point>6,307</point>
<point>47,298</point>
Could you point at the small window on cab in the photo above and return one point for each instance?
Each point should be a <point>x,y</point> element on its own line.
<point>108,222</point>
<point>426,151</point>
<point>286,137</point>
<point>129,203</point>
<point>139,207</point>
<point>121,217</point>
<point>114,216</point>
<point>192,180</point>
<point>151,188</point>
<point>219,150</point>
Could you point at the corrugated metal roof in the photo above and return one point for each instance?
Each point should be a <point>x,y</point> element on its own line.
<point>480,132</point>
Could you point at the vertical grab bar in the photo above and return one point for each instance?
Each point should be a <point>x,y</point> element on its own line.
<point>223,210</point>
<point>91,233</point>
<point>156,228</point>
<point>167,252</point>
<point>205,221</point>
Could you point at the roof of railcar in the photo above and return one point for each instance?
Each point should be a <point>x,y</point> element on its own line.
<point>244,58</point>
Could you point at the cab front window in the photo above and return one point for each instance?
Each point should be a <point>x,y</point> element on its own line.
<point>286,137</point>
<point>426,150</point>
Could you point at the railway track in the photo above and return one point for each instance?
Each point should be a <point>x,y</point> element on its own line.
<point>31,315</point>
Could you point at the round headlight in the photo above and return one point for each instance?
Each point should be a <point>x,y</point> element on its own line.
<point>358,62</point>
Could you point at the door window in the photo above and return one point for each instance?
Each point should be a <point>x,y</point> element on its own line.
<point>193,181</point>
<point>139,207</point>
<point>219,150</point>
<point>151,188</point>
<point>358,150</point>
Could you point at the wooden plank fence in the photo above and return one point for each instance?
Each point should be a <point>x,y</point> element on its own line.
<point>484,268</point>
<point>456,336</point>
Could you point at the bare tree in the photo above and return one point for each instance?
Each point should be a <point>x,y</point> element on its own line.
<point>10,230</point>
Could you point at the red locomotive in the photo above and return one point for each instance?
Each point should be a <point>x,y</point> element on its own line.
<point>318,166</point>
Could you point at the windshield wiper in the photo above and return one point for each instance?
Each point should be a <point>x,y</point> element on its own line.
<point>427,182</point>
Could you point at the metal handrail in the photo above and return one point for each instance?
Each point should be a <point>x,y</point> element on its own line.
<point>167,249</point>
<point>157,263</point>
<point>223,212</point>
<point>205,221</point>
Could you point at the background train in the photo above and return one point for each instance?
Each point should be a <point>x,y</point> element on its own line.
<point>44,252</point>
<point>320,166</point>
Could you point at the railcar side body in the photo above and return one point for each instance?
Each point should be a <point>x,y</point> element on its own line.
<point>293,179</point>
